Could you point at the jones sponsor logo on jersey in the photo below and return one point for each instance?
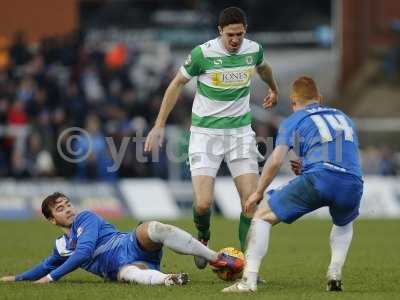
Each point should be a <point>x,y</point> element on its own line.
<point>235,78</point>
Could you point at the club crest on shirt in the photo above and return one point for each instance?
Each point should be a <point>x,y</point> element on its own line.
<point>79,231</point>
<point>249,59</point>
<point>188,60</point>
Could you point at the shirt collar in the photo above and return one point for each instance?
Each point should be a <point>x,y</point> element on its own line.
<point>226,52</point>
<point>312,105</point>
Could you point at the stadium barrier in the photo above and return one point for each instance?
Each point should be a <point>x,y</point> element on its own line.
<point>22,199</point>
<point>146,199</point>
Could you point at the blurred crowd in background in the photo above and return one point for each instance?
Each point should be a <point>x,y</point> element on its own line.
<point>60,85</point>
<point>110,92</point>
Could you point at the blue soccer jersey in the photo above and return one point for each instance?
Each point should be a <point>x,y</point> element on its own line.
<point>94,245</point>
<point>323,137</point>
<point>325,140</point>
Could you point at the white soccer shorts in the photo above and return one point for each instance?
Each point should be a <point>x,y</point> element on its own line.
<point>206,152</point>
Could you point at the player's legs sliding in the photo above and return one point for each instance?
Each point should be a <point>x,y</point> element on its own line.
<point>203,190</point>
<point>153,235</point>
<point>340,240</point>
<point>136,274</point>
<point>258,240</point>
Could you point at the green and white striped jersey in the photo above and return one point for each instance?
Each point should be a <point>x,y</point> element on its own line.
<point>221,103</point>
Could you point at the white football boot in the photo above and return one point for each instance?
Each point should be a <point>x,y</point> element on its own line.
<point>240,287</point>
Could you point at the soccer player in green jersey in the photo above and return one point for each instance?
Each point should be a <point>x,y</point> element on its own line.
<point>221,117</point>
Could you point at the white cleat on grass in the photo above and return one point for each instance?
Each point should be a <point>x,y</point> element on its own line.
<point>240,287</point>
<point>334,279</point>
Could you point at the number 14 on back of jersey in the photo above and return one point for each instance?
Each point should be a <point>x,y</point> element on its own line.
<point>335,121</point>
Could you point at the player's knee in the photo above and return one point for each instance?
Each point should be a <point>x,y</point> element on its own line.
<point>141,230</point>
<point>202,207</point>
<point>266,214</point>
<point>144,237</point>
<point>261,213</point>
<point>153,228</point>
<point>272,218</point>
<point>249,214</point>
<point>157,231</point>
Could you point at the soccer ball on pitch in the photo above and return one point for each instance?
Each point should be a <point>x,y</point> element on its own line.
<point>226,274</point>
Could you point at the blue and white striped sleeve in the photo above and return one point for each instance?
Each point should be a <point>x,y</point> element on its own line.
<point>88,225</point>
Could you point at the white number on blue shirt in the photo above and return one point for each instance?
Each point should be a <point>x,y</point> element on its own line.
<point>336,122</point>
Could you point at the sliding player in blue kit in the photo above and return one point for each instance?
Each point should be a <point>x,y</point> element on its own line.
<point>91,243</point>
<point>329,172</point>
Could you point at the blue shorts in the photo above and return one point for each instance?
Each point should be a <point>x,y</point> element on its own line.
<point>341,192</point>
<point>135,254</point>
<point>120,250</point>
<point>126,251</point>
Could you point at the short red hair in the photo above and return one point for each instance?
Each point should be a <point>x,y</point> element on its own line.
<point>305,88</point>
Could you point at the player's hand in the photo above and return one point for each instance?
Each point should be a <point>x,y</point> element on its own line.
<point>252,202</point>
<point>296,166</point>
<point>43,280</point>
<point>154,138</point>
<point>271,100</point>
<point>7,279</point>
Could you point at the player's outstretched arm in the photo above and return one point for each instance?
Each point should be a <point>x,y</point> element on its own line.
<point>265,72</point>
<point>38,271</point>
<point>156,134</point>
<point>269,172</point>
<point>272,167</point>
<point>7,279</point>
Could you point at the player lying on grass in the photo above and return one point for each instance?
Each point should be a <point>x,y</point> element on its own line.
<point>91,243</point>
<point>329,175</point>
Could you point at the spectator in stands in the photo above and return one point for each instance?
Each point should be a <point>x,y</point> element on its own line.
<point>38,160</point>
<point>19,51</point>
<point>391,63</point>
<point>387,163</point>
<point>4,144</point>
<point>63,83</point>
<point>96,165</point>
<point>75,104</point>
<point>370,158</point>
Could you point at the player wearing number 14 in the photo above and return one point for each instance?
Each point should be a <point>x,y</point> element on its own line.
<point>328,175</point>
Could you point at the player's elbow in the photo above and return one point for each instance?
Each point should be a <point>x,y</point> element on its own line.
<point>264,68</point>
<point>85,254</point>
<point>179,80</point>
<point>174,88</point>
<point>278,156</point>
<point>276,165</point>
<point>276,161</point>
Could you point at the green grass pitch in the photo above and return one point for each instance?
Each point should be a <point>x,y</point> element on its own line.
<point>294,268</point>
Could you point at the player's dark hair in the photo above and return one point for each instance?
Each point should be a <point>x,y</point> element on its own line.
<point>49,202</point>
<point>232,15</point>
